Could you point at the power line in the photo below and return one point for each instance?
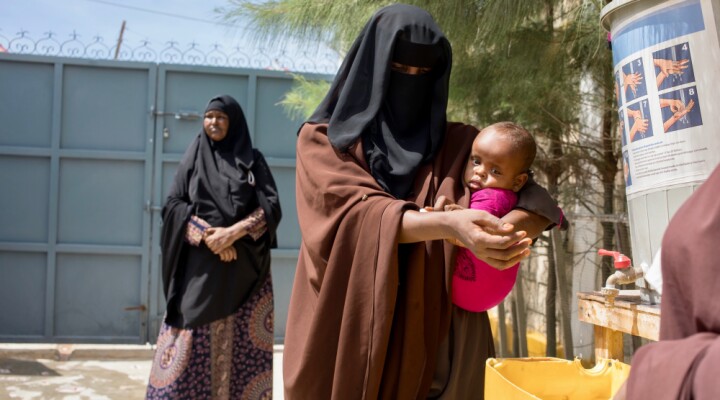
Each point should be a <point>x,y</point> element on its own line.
<point>165,13</point>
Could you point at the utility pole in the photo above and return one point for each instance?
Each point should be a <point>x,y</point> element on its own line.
<point>120,39</point>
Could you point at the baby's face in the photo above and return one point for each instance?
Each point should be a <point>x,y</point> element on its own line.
<point>492,164</point>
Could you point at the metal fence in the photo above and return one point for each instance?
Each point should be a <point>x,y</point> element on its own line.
<point>170,52</point>
<point>85,171</point>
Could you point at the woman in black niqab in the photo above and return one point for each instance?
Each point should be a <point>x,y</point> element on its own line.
<point>401,117</point>
<point>225,187</point>
<point>370,312</point>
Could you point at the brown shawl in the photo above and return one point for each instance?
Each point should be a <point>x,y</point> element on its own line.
<point>355,329</point>
<point>685,362</point>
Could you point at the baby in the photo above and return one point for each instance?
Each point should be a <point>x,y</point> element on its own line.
<point>498,166</point>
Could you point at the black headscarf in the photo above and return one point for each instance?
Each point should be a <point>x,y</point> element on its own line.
<point>221,182</point>
<point>401,118</point>
<point>220,163</point>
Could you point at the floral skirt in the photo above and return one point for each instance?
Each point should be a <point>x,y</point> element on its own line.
<point>230,358</point>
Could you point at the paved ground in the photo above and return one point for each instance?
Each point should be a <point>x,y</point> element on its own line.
<point>70,372</point>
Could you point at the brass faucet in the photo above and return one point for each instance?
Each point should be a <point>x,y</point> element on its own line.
<point>625,273</point>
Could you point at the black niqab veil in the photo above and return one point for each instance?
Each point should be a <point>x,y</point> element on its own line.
<point>213,182</point>
<point>401,118</point>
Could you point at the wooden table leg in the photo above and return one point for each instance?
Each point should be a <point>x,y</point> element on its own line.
<point>608,343</point>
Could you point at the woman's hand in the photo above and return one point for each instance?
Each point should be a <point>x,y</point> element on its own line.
<point>489,238</point>
<point>228,254</point>
<point>218,239</point>
<point>490,244</point>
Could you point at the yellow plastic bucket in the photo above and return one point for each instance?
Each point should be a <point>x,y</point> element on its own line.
<point>552,379</point>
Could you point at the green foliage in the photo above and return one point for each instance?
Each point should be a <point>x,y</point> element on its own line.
<point>305,95</point>
<point>337,23</point>
<point>520,60</point>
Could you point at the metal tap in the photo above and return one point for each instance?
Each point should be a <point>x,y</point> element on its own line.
<point>625,273</point>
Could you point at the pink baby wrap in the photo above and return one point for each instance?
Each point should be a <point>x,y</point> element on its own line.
<point>477,286</point>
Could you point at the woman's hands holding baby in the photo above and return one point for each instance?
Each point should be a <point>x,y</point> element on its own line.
<point>489,238</point>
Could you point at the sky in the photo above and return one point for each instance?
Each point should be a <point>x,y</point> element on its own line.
<point>157,21</point>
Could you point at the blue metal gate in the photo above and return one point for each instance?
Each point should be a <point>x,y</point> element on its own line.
<point>88,150</point>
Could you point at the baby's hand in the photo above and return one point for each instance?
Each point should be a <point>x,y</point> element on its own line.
<point>455,242</point>
<point>453,207</point>
<point>442,204</point>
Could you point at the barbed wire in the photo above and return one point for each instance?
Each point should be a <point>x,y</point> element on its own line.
<point>171,52</point>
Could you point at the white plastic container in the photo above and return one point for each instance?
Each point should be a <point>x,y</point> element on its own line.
<point>666,56</point>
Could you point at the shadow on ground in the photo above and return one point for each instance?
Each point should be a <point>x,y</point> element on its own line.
<point>11,366</point>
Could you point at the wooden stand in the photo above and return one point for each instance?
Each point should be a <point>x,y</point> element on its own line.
<point>624,315</point>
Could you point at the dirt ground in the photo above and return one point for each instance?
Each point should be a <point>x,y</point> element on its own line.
<point>86,379</point>
<point>70,372</point>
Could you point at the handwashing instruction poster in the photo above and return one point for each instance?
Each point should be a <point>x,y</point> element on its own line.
<point>667,78</point>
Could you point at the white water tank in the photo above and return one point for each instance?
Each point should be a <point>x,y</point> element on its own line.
<point>666,57</point>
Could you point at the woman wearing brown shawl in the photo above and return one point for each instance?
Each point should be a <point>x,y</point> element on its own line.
<point>370,304</point>
<point>684,364</point>
<point>219,223</point>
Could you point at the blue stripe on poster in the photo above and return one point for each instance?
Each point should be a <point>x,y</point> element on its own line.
<point>671,22</point>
